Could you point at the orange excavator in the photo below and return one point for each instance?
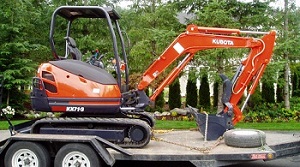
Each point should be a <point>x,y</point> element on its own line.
<point>93,102</point>
<point>248,73</point>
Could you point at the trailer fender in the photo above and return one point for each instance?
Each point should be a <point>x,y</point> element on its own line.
<point>3,145</point>
<point>103,152</point>
<point>113,146</point>
<point>245,138</point>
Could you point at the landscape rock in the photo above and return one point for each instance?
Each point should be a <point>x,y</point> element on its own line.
<point>180,111</point>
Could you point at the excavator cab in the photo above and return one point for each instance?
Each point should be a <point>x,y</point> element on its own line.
<point>72,13</point>
<point>89,98</point>
<point>68,84</point>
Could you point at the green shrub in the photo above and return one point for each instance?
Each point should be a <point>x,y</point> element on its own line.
<point>296,81</point>
<point>268,92</point>
<point>216,94</point>
<point>174,95</point>
<point>204,94</point>
<point>274,112</point>
<point>191,90</point>
<point>160,102</point>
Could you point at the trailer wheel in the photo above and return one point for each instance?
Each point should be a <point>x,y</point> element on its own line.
<point>76,155</point>
<point>245,138</point>
<point>24,154</point>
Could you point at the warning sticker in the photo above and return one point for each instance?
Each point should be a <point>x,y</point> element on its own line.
<point>178,47</point>
<point>258,156</point>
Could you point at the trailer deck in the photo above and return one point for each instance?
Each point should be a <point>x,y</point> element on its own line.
<point>182,146</point>
<point>190,146</point>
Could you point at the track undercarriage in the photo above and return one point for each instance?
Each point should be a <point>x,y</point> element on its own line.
<point>125,132</point>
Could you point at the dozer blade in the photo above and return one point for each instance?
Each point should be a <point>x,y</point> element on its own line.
<point>212,126</point>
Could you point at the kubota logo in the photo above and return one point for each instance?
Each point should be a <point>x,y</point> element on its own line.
<point>222,42</point>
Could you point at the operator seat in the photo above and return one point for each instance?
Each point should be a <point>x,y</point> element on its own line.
<point>73,50</point>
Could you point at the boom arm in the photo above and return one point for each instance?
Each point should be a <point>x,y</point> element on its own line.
<point>201,38</point>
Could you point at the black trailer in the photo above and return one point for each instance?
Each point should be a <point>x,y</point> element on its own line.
<point>189,146</point>
<point>166,146</point>
<point>43,150</point>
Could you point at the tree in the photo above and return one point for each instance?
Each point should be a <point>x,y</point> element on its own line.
<point>204,93</point>
<point>16,67</point>
<point>191,89</point>
<point>217,14</point>
<point>287,25</point>
<point>150,33</point>
<point>255,100</point>
<point>286,58</point>
<point>279,94</point>
<point>268,80</point>
<point>279,89</point>
<point>229,14</point>
<point>296,81</point>
<point>160,102</point>
<point>268,92</point>
<point>216,88</point>
<point>190,6</point>
<point>174,95</point>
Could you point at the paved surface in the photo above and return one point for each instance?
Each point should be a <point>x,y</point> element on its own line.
<point>161,150</point>
<point>4,134</point>
<point>194,137</point>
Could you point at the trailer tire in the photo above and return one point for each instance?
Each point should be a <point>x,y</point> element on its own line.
<point>73,153</point>
<point>27,154</point>
<point>245,138</point>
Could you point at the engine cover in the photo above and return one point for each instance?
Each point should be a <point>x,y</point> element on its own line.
<point>75,86</point>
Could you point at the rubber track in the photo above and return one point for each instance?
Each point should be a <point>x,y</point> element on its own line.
<point>114,122</point>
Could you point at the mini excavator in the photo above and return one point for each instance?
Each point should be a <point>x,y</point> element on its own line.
<point>96,103</point>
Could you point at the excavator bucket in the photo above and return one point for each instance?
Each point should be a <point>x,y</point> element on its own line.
<point>212,126</point>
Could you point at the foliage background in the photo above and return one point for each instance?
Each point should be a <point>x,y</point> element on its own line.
<point>151,26</point>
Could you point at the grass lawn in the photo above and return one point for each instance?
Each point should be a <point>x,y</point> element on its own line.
<point>4,124</point>
<point>167,125</point>
<point>288,126</point>
<point>175,124</point>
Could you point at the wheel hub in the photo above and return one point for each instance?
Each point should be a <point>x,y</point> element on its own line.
<point>25,158</point>
<point>77,164</point>
<point>27,161</point>
<point>136,133</point>
<point>76,159</point>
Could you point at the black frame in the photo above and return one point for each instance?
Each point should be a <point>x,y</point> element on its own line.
<point>70,13</point>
